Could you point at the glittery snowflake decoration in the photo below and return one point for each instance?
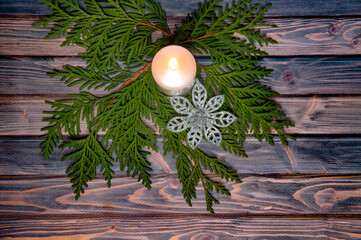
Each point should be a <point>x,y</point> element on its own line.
<point>200,118</point>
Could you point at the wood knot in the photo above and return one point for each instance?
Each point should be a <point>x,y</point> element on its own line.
<point>315,116</point>
<point>334,29</point>
<point>208,237</point>
<point>356,42</point>
<point>254,187</point>
<point>174,184</point>
<point>288,76</point>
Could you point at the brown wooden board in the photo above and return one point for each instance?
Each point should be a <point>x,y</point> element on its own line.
<point>310,190</point>
<point>296,37</point>
<point>291,76</point>
<point>311,115</point>
<point>181,229</point>
<point>256,195</point>
<point>307,155</point>
<point>182,7</point>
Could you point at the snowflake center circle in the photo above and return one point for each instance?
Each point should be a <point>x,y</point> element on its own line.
<point>198,118</point>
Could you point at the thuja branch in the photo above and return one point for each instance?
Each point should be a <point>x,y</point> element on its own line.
<point>168,34</point>
<point>203,68</point>
<point>135,76</point>
<point>199,38</point>
<point>118,33</point>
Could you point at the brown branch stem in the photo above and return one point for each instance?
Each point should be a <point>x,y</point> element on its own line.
<point>135,76</point>
<point>199,38</point>
<point>204,69</point>
<point>156,28</point>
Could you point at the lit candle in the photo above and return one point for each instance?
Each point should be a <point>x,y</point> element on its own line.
<point>174,70</point>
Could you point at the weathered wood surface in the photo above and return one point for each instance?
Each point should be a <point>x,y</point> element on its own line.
<point>311,115</point>
<point>311,190</point>
<point>291,76</point>
<point>181,229</point>
<point>256,195</point>
<point>295,36</point>
<point>307,155</point>
<point>182,7</point>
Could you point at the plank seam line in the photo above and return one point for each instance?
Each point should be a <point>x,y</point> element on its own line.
<point>135,216</point>
<point>172,18</point>
<point>242,175</point>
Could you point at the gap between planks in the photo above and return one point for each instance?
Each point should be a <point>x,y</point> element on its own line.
<point>99,177</point>
<point>137,216</point>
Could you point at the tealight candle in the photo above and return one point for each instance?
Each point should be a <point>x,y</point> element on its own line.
<point>174,69</point>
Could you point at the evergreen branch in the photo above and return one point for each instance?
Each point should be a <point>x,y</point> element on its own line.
<point>66,115</point>
<point>108,30</point>
<point>189,170</point>
<point>217,166</point>
<point>250,103</point>
<point>214,166</point>
<point>168,34</point>
<point>89,78</point>
<point>116,35</point>
<point>126,134</point>
<point>213,20</point>
<point>135,76</point>
<point>88,155</point>
<point>199,38</point>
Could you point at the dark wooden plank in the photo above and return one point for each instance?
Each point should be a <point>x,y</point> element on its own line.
<point>27,75</point>
<point>256,195</point>
<point>314,75</point>
<point>311,115</point>
<point>182,7</point>
<point>18,37</point>
<point>298,76</point>
<point>315,37</point>
<point>307,155</point>
<point>296,37</point>
<point>182,229</point>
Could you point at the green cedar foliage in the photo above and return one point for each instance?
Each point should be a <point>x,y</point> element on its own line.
<point>116,37</point>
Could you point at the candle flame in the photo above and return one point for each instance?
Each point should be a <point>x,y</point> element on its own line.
<point>173,64</point>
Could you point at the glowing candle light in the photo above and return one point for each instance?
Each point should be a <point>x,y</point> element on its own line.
<point>174,69</point>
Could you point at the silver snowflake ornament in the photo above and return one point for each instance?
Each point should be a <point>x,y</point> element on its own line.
<point>200,117</point>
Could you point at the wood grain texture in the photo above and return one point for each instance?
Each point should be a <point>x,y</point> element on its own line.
<point>307,155</point>
<point>314,75</point>
<point>182,7</point>
<point>314,37</point>
<point>291,76</point>
<point>311,115</point>
<point>181,229</point>
<point>310,190</point>
<point>18,37</point>
<point>256,195</point>
<point>295,36</point>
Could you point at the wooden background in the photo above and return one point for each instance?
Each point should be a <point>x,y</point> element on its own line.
<point>311,190</point>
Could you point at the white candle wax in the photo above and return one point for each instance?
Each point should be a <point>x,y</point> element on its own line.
<point>174,69</point>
